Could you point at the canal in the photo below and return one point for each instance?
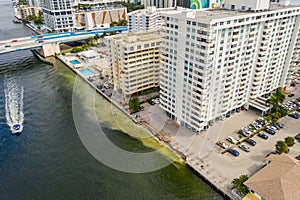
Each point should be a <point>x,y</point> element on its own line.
<point>48,160</point>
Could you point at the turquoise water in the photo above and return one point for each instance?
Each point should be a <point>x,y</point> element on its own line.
<point>74,62</point>
<point>86,72</point>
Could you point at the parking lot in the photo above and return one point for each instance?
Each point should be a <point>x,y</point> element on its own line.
<point>201,149</point>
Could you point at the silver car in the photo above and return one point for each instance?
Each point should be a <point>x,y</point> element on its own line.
<point>245,147</point>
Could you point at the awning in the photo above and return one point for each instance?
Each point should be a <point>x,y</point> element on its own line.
<point>250,196</point>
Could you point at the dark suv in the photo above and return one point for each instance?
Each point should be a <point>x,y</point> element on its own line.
<point>251,142</point>
<point>263,136</point>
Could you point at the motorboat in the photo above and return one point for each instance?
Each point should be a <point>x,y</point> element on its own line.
<point>17,128</point>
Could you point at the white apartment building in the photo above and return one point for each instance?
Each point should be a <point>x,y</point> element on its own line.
<point>159,3</point>
<point>149,18</point>
<point>58,15</point>
<point>33,3</point>
<point>135,62</point>
<point>216,61</point>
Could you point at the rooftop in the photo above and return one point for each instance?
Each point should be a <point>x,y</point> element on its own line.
<point>90,53</point>
<point>138,36</point>
<point>279,180</point>
<point>220,13</point>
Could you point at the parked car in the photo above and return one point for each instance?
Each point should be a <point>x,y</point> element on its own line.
<point>294,115</point>
<point>232,140</point>
<point>233,152</point>
<point>245,147</point>
<point>297,137</point>
<point>291,95</point>
<point>223,144</point>
<point>274,127</point>
<point>14,41</point>
<point>298,157</point>
<point>251,142</point>
<point>141,108</point>
<point>261,122</point>
<point>263,136</point>
<point>156,100</point>
<point>278,125</point>
<point>151,102</point>
<point>247,130</point>
<point>270,131</point>
<point>7,46</point>
<point>243,133</point>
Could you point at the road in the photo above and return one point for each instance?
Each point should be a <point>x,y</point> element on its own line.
<point>30,42</point>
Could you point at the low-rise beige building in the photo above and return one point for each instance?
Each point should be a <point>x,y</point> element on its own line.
<point>135,60</point>
<point>23,11</point>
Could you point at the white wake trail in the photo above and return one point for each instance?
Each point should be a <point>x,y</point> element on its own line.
<point>13,102</point>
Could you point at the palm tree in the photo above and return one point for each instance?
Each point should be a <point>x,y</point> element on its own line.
<point>272,101</point>
<point>90,40</point>
<point>238,184</point>
<point>279,95</point>
<point>97,37</point>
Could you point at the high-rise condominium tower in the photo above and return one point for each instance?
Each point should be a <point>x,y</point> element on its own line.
<point>58,15</point>
<point>216,61</point>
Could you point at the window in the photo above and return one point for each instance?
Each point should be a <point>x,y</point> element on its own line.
<point>232,7</point>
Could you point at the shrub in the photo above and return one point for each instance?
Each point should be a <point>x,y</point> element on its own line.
<point>76,50</point>
<point>282,147</point>
<point>134,104</point>
<point>290,141</point>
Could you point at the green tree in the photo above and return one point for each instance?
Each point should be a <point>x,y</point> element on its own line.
<point>113,24</point>
<point>268,118</point>
<point>281,147</point>
<point>113,33</point>
<point>90,40</point>
<point>97,37</point>
<point>238,184</point>
<point>290,141</point>
<point>279,96</point>
<point>275,100</point>
<point>104,34</point>
<point>122,22</point>
<point>85,46</point>
<point>134,104</point>
<point>22,2</point>
<point>76,50</point>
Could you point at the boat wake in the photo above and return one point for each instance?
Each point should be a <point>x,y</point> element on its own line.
<point>13,103</point>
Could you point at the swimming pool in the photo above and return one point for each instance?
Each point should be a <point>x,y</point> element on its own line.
<point>86,72</point>
<point>74,62</point>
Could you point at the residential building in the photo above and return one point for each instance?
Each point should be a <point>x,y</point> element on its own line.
<point>217,61</point>
<point>99,16</point>
<point>33,3</point>
<point>23,11</point>
<point>58,15</point>
<point>135,60</point>
<point>159,3</point>
<point>278,180</point>
<point>149,18</point>
<point>253,5</point>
